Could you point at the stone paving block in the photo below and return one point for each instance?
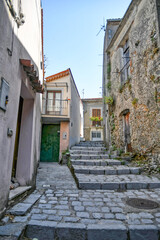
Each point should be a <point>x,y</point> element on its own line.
<point>12,229</point>
<point>136,185</point>
<point>143,232</point>
<point>32,198</point>
<point>41,230</point>
<point>120,216</point>
<point>46,211</point>
<point>39,216</point>
<point>93,209</point>
<point>69,231</point>
<point>152,185</point>
<point>20,209</point>
<point>146,221</point>
<point>61,207</point>
<point>64,213</point>
<point>8,238</point>
<point>76,203</point>
<point>97,171</point>
<point>88,203</point>
<point>35,210</point>
<point>20,219</point>
<point>97,215</point>
<point>109,216</point>
<point>89,185</point>
<point>110,186</point>
<point>135,170</point>
<point>5,220</point>
<point>105,209</point>
<point>110,172</point>
<point>106,232</point>
<point>78,208</point>
<point>45,206</point>
<point>116,210</point>
<point>82,214</point>
<point>54,218</point>
<point>123,171</point>
<point>71,219</point>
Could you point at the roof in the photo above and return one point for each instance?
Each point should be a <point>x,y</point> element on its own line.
<point>114,20</point>
<point>91,99</point>
<point>58,75</point>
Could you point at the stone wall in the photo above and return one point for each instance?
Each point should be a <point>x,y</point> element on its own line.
<point>140,95</point>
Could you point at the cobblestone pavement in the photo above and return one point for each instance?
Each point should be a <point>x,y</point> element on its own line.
<point>57,209</point>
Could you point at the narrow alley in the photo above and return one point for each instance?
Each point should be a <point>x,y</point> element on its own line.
<point>57,209</point>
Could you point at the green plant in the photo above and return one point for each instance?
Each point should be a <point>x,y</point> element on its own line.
<point>96,119</point>
<point>121,88</point>
<point>134,102</point>
<point>65,152</point>
<point>108,85</point>
<point>113,126</point>
<point>109,70</point>
<point>108,100</point>
<point>114,147</point>
<point>123,163</point>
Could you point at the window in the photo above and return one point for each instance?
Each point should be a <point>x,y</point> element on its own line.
<point>96,135</point>
<point>126,63</point>
<point>54,102</point>
<point>96,113</point>
<point>109,33</point>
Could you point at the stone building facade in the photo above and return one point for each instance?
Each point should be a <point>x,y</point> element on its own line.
<point>21,78</point>
<point>93,108</point>
<point>132,72</point>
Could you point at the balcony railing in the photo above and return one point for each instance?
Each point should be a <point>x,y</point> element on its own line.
<point>56,107</point>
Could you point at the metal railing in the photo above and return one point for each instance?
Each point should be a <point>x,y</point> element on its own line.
<point>56,107</point>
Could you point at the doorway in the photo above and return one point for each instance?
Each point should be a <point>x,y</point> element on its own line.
<point>16,146</point>
<point>50,143</point>
<point>127,137</point>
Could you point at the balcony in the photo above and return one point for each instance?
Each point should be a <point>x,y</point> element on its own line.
<point>55,109</point>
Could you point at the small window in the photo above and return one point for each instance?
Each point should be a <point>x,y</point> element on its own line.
<point>96,136</point>
<point>54,102</point>
<point>125,71</point>
<point>109,33</point>
<point>96,113</point>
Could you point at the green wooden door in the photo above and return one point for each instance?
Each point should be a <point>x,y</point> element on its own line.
<point>50,143</point>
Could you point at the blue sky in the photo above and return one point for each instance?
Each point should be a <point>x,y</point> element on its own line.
<point>70,40</point>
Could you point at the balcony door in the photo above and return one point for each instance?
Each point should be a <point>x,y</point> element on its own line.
<point>54,102</point>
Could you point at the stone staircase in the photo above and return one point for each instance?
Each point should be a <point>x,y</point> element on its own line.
<point>94,168</point>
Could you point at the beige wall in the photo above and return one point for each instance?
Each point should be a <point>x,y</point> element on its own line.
<point>64,141</point>
<point>88,105</point>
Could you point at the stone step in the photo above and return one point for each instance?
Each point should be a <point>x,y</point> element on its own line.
<point>22,208</point>
<point>87,152</point>
<point>86,156</point>
<point>102,170</point>
<point>80,148</point>
<point>102,162</point>
<point>71,231</point>
<point>116,182</point>
<point>91,144</point>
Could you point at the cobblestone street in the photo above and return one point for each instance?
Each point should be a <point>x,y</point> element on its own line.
<point>66,212</point>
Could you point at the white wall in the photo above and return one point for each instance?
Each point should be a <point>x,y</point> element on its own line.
<point>24,42</point>
<point>75,118</point>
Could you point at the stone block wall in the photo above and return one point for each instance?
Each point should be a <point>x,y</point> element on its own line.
<point>140,95</point>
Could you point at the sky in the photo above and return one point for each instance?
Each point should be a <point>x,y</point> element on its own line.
<point>71,40</point>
